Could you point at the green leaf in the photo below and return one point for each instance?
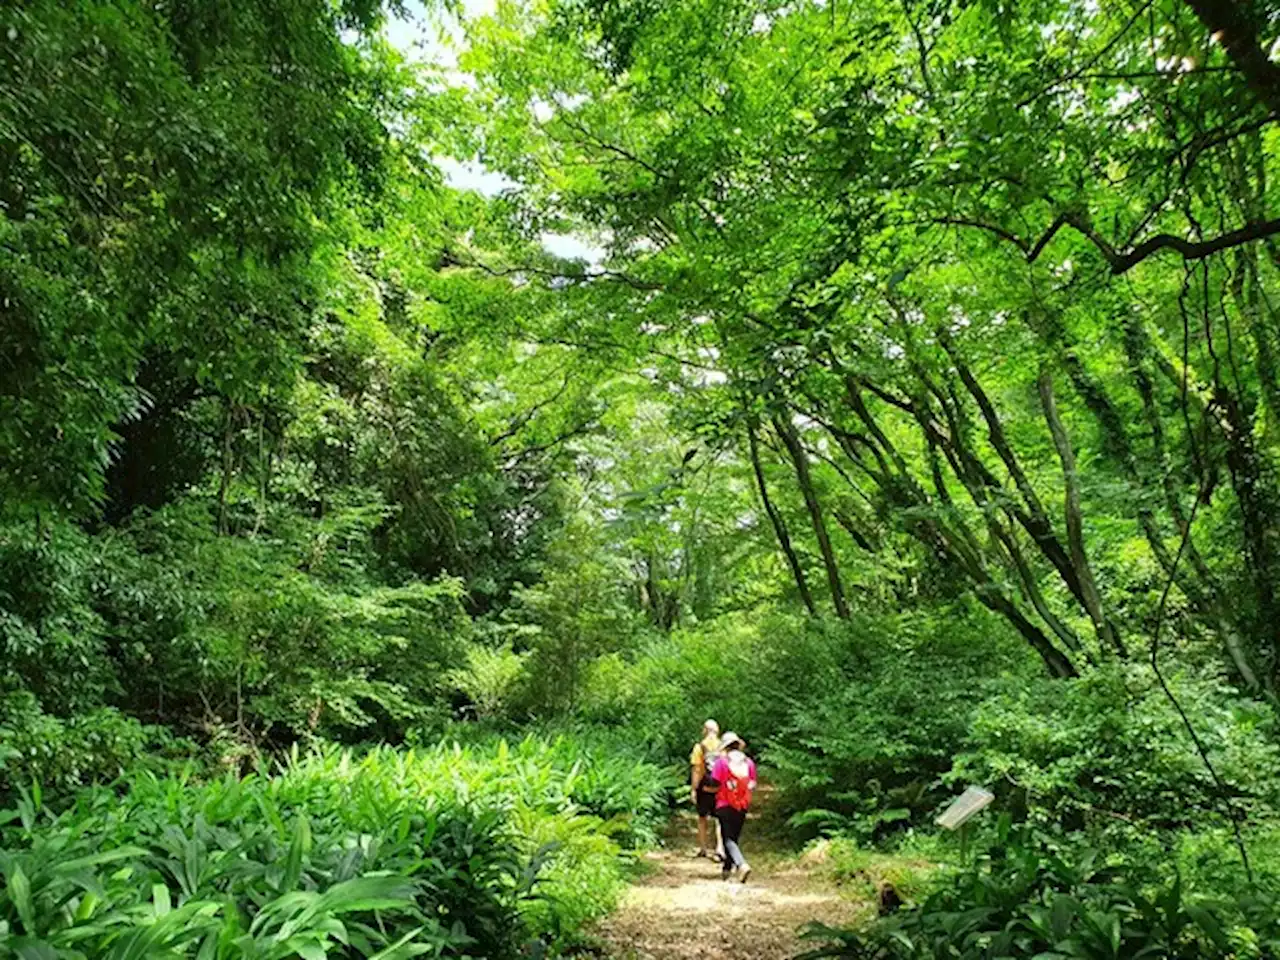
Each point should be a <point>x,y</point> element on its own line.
<point>19,890</point>
<point>403,947</point>
<point>299,847</point>
<point>29,948</point>
<point>160,899</point>
<point>309,950</point>
<point>1208,923</point>
<point>1064,911</point>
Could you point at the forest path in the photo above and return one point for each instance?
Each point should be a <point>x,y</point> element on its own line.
<point>682,910</point>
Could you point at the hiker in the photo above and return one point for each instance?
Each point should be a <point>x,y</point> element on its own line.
<point>735,773</point>
<point>701,762</point>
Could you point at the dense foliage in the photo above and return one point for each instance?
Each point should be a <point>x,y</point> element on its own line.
<point>896,382</point>
<point>449,852</point>
<point>1035,901</point>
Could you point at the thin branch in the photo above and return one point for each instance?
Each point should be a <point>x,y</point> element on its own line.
<point>999,231</point>
<point>1107,47</point>
<point>520,422</point>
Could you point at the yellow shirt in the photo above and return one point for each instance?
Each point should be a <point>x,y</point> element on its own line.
<point>698,757</point>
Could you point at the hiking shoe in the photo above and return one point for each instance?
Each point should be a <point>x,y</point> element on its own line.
<point>746,872</point>
<point>701,855</point>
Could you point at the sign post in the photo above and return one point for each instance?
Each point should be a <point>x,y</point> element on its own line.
<point>961,810</point>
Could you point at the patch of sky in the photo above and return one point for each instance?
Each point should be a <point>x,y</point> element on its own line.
<point>708,378</point>
<point>436,38</point>
<point>544,110</point>
<point>474,175</point>
<point>572,246</point>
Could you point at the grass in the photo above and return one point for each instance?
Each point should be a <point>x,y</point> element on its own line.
<point>864,871</point>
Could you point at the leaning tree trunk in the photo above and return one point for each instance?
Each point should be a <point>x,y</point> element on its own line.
<point>946,535</point>
<point>800,461</point>
<point>779,526</point>
<point>1074,516</point>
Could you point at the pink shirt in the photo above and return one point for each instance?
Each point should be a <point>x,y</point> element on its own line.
<point>722,775</point>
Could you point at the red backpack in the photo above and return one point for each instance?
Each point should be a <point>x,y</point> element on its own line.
<point>738,789</point>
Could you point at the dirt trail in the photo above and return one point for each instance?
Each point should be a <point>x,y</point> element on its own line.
<point>683,910</point>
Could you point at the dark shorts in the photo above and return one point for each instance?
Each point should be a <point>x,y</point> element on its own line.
<point>706,803</point>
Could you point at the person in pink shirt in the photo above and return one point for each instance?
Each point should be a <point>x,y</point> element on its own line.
<point>736,774</point>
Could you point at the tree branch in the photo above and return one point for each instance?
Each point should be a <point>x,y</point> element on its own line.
<point>1122,261</point>
<point>1191,250</point>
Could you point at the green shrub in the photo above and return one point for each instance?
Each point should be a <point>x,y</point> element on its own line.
<point>613,779</point>
<point>453,851</point>
<point>575,766</point>
<point>91,747</point>
<point>834,710</point>
<point>864,749</point>
<point>286,634</point>
<point>1208,859</point>
<point>52,638</point>
<point>1032,899</point>
<point>1109,749</point>
<point>747,670</point>
<point>489,679</point>
<point>559,817</point>
<point>242,869</point>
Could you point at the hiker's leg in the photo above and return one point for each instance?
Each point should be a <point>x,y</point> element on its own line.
<point>706,803</point>
<point>743,866</point>
<point>732,853</point>
<point>726,863</point>
<point>731,829</point>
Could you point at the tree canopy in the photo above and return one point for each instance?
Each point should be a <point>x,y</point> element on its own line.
<point>898,381</point>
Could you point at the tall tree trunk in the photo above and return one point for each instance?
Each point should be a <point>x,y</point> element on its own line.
<point>1203,594</point>
<point>224,485</point>
<point>779,527</point>
<point>800,460</point>
<point>1253,305</point>
<point>664,607</point>
<point>1074,516</point>
<point>1257,506</point>
<point>993,500</point>
<point>958,549</point>
<point>1030,586</point>
<point>860,538</point>
<point>1032,517</point>
<point>1202,589</point>
<point>1058,664</point>
<point>1233,26</point>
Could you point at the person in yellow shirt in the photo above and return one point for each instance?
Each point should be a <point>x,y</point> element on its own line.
<point>702,761</point>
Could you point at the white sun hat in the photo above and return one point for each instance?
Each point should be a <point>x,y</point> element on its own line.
<point>729,739</point>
